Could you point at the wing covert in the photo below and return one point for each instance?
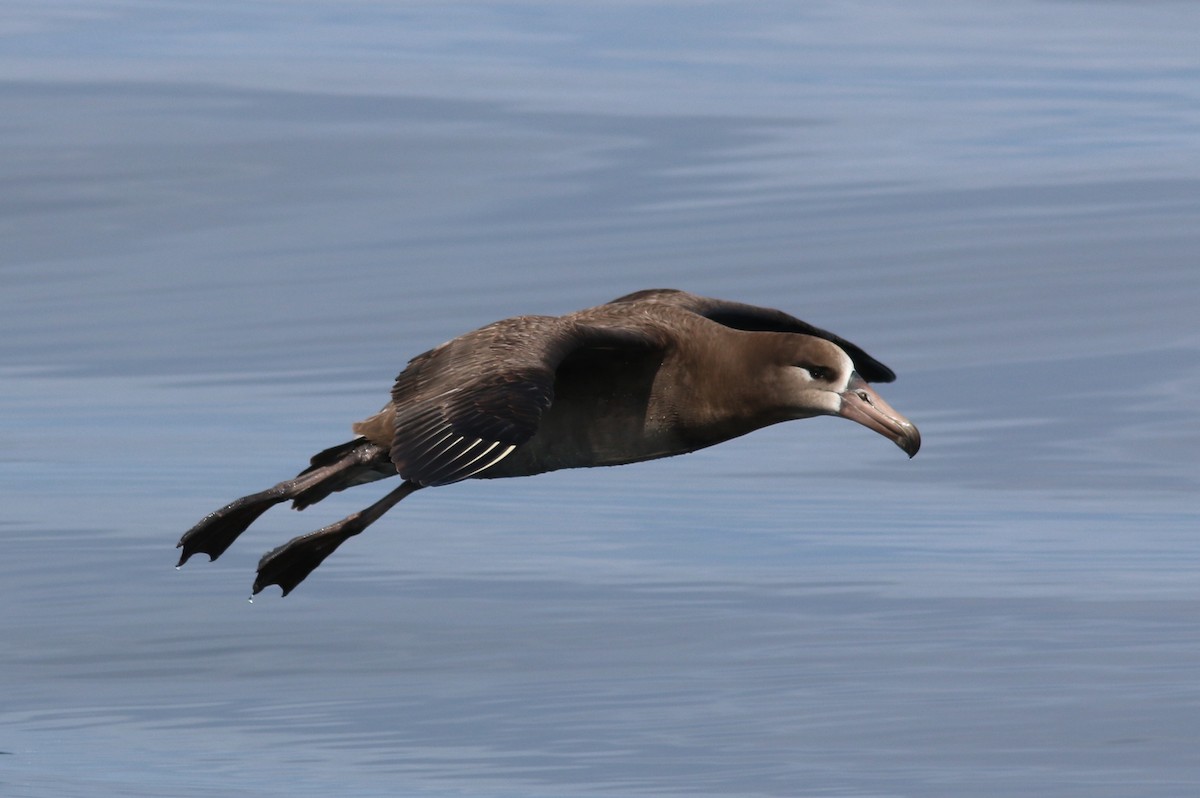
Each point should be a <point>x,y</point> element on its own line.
<point>469,403</point>
<point>751,318</point>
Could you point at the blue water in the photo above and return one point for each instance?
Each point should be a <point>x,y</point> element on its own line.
<point>225,227</point>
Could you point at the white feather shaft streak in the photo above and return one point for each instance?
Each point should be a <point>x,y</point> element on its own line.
<point>507,451</point>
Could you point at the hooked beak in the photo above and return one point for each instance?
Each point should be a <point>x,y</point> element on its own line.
<point>860,403</point>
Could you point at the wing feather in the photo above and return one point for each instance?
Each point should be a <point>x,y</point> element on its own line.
<point>754,318</point>
<point>466,405</point>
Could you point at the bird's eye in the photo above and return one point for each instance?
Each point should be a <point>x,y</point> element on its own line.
<point>819,372</point>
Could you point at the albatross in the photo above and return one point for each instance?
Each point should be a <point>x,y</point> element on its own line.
<point>652,374</point>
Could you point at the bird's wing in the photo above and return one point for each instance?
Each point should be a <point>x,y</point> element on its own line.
<point>754,318</point>
<point>467,404</point>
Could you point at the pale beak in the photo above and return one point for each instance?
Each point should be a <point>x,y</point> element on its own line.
<point>860,403</point>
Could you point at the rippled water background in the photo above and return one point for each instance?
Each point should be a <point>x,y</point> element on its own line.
<point>224,227</point>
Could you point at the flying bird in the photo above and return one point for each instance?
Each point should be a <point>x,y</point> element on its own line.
<point>652,374</point>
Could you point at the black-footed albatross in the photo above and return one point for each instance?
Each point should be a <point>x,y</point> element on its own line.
<point>652,374</point>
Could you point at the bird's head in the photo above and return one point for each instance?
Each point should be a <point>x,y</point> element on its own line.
<point>818,378</point>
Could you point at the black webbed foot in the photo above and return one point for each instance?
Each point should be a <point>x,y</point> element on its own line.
<point>289,564</point>
<point>217,531</point>
<point>335,469</point>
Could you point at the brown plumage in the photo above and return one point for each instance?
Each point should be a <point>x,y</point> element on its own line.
<point>652,374</point>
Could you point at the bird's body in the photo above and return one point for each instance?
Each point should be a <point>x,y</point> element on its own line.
<point>652,374</point>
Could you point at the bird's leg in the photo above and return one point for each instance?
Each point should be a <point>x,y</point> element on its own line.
<point>288,565</point>
<point>216,531</point>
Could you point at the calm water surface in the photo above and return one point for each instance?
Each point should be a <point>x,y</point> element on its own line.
<point>226,227</point>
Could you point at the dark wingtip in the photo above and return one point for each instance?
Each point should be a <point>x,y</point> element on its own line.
<point>868,367</point>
